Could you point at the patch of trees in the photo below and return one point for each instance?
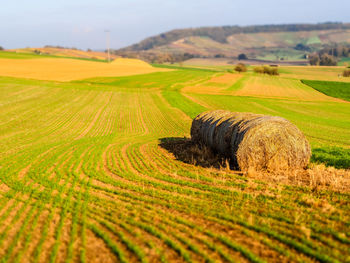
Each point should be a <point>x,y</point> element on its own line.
<point>219,56</point>
<point>322,60</point>
<point>240,67</point>
<point>302,47</point>
<point>337,51</point>
<point>242,56</point>
<point>328,56</point>
<point>1,48</point>
<point>60,47</point>
<point>346,73</point>
<point>266,70</point>
<point>157,58</point>
<point>220,34</point>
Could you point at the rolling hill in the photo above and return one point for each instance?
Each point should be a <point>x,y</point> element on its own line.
<point>269,42</point>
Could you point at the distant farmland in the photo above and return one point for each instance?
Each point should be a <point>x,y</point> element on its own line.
<point>84,178</point>
<point>284,43</point>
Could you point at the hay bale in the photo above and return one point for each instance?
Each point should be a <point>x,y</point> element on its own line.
<point>252,140</point>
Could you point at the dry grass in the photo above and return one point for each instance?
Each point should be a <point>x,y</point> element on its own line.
<point>317,177</point>
<point>72,69</point>
<point>276,87</point>
<point>314,73</point>
<point>252,140</point>
<point>131,62</point>
<point>215,85</point>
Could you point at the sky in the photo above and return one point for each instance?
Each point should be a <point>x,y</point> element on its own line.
<point>82,23</point>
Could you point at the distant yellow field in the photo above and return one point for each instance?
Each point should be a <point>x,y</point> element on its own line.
<point>72,69</point>
<point>132,62</point>
<point>314,73</point>
<point>215,85</point>
<point>278,87</point>
<point>259,86</point>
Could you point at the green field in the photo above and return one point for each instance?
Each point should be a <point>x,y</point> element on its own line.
<point>334,89</point>
<point>83,178</point>
<point>15,55</point>
<point>344,60</point>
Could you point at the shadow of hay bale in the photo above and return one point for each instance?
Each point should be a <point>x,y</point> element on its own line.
<point>187,151</point>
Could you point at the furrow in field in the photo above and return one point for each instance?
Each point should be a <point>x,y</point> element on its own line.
<point>156,222</point>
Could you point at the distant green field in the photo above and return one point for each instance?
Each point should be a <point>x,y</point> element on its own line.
<point>14,55</point>
<point>84,177</point>
<point>313,40</point>
<point>335,89</point>
<point>343,61</point>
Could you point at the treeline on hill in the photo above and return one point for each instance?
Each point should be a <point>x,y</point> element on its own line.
<point>337,51</point>
<point>220,34</point>
<point>60,47</point>
<point>329,56</point>
<point>160,58</point>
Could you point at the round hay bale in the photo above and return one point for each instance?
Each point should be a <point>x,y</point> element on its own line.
<point>252,140</point>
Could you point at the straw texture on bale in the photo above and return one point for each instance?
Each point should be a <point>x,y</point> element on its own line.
<point>251,140</point>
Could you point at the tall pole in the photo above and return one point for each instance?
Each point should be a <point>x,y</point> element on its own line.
<point>108,40</point>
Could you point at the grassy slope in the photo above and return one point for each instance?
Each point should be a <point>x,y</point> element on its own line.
<point>82,176</point>
<point>344,60</point>
<point>14,55</point>
<point>339,90</point>
<point>334,156</point>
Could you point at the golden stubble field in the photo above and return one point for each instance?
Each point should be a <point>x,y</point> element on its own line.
<point>72,69</point>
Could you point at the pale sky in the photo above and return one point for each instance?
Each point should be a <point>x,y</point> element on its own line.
<point>81,23</point>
